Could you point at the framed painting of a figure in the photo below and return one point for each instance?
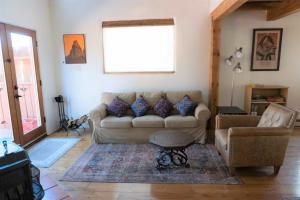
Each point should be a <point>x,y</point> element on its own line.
<point>266,49</point>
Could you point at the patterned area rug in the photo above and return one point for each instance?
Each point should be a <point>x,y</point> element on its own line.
<point>135,163</point>
<point>48,151</point>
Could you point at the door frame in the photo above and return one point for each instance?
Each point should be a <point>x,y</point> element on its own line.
<point>19,135</point>
<point>9,84</point>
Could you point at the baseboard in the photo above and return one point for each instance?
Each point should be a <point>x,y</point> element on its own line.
<point>26,146</point>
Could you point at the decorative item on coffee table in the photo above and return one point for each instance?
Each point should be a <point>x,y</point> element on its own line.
<point>173,145</point>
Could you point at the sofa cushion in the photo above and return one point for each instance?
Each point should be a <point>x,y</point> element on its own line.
<point>118,107</point>
<point>108,97</point>
<point>222,137</point>
<point>151,97</point>
<point>186,106</point>
<point>177,121</point>
<point>174,97</point>
<point>163,107</point>
<point>148,121</point>
<point>117,122</point>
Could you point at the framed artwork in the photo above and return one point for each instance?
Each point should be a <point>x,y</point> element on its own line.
<point>266,49</point>
<point>74,46</point>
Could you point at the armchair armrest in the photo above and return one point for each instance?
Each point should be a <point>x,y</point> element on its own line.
<point>256,146</point>
<point>229,121</point>
<point>202,112</point>
<point>258,131</point>
<point>98,114</point>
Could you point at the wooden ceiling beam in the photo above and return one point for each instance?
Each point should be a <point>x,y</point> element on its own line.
<point>226,7</point>
<point>259,5</point>
<point>284,9</point>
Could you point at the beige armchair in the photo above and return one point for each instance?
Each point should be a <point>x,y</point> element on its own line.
<point>251,141</point>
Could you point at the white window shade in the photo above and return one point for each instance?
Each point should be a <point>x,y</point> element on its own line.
<point>139,49</point>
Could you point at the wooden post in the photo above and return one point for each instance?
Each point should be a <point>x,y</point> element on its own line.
<point>214,70</point>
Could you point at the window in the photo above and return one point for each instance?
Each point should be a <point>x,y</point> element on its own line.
<point>139,46</point>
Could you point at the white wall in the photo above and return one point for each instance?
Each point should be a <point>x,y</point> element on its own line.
<point>35,15</point>
<point>237,31</point>
<point>214,4</point>
<point>82,84</point>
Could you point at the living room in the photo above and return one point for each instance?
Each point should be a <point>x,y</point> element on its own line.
<point>165,56</point>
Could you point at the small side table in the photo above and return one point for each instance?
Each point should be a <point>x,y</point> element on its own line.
<point>231,110</point>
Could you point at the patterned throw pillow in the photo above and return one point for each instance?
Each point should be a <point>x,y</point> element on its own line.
<point>118,107</point>
<point>186,106</point>
<point>140,107</point>
<point>163,107</point>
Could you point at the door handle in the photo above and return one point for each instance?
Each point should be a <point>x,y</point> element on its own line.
<point>8,60</point>
<point>17,96</point>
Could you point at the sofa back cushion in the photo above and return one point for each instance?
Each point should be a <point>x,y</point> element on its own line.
<point>129,97</point>
<point>151,97</point>
<point>175,97</point>
<point>107,97</point>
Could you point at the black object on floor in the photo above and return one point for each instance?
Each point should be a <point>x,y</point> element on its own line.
<point>16,174</point>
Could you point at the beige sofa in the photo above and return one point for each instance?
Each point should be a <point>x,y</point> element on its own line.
<point>250,141</point>
<point>127,129</point>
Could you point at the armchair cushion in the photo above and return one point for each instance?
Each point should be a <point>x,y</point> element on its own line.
<point>277,116</point>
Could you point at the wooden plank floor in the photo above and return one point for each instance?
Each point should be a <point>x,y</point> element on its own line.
<point>259,183</point>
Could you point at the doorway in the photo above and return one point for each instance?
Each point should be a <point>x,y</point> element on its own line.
<point>21,107</point>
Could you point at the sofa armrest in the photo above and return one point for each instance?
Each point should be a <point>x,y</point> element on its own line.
<point>98,114</point>
<point>258,131</point>
<point>229,121</point>
<point>202,112</point>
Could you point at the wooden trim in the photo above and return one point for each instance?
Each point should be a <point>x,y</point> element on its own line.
<point>226,7</point>
<point>214,70</point>
<point>25,138</point>
<point>144,22</point>
<point>9,84</point>
<point>284,9</point>
<point>145,73</point>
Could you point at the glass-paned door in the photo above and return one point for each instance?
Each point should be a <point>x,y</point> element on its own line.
<point>22,104</point>
<point>6,130</point>
<point>22,46</point>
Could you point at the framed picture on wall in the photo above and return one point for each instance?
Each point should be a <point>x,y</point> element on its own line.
<point>266,49</point>
<point>74,46</point>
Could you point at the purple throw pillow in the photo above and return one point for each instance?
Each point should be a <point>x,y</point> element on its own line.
<point>186,106</point>
<point>118,107</point>
<point>163,107</point>
<point>140,107</point>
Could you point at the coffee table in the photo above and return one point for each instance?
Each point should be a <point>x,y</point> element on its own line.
<point>172,148</point>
